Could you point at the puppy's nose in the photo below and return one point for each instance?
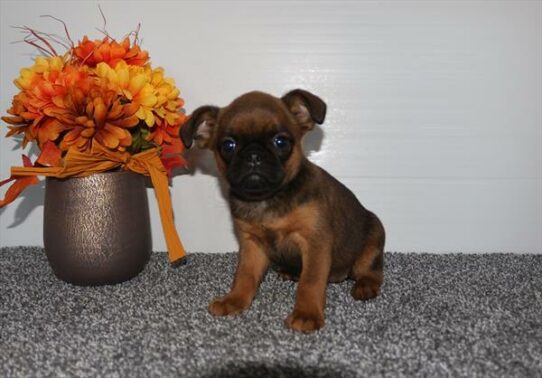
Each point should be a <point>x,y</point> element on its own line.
<point>253,155</point>
<point>254,159</point>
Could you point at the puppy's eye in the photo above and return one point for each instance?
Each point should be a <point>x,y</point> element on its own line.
<point>282,142</point>
<point>228,146</point>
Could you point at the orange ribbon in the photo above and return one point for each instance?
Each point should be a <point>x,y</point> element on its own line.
<point>100,159</point>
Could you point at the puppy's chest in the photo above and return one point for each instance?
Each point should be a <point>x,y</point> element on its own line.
<point>281,246</point>
<point>282,236</point>
<point>275,239</point>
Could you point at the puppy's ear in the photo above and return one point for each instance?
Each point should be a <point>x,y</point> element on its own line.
<point>307,108</point>
<point>200,126</point>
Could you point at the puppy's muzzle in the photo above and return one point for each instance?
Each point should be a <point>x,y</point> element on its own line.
<point>254,181</point>
<point>255,173</point>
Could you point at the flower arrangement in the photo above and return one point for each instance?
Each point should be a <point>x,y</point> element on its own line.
<point>96,107</point>
<point>99,91</point>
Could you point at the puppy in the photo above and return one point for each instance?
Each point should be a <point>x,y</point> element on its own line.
<point>287,212</point>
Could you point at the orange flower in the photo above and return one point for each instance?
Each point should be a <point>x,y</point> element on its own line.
<point>110,52</point>
<point>103,118</point>
<point>164,132</point>
<point>43,87</point>
<point>20,118</point>
<point>171,155</point>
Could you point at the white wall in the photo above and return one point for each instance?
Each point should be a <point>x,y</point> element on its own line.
<point>435,115</point>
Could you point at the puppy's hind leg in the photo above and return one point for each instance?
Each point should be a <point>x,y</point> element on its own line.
<point>368,269</point>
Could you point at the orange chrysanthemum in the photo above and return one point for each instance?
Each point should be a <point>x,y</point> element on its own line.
<point>97,116</point>
<point>110,52</point>
<point>41,97</point>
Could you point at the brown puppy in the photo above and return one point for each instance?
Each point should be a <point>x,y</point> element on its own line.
<point>287,212</point>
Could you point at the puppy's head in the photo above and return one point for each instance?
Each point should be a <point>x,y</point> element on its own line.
<point>256,139</point>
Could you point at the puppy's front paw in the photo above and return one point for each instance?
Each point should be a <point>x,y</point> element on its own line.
<point>304,321</point>
<point>227,305</point>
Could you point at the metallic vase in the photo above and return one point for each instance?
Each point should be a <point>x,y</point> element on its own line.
<point>96,229</point>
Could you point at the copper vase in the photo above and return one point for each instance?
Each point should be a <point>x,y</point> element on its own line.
<point>96,229</point>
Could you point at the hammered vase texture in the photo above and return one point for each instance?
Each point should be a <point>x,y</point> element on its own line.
<point>97,228</point>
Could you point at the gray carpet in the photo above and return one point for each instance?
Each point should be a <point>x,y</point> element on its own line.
<point>438,315</point>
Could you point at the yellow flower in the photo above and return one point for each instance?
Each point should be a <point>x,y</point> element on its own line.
<point>167,93</point>
<point>42,64</point>
<point>134,83</point>
<point>42,67</point>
